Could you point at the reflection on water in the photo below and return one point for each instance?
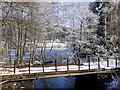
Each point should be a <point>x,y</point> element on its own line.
<point>110,81</point>
<point>54,83</point>
<point>113,85</point>
<point>73,84</point>
<point>115,82</point>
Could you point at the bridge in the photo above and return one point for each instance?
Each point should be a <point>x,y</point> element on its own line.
<point>31,72</point>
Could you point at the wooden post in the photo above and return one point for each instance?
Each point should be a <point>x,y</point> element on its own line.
<point>89,61</point>
<point>43,67</point>
<point>43,64</point>
<point>107,61</point>
<point>116,61</point>
<point>14,66</point>
<point>98,62</point>
<point>67,64</point>
<point>29,66</point>
<point>53,60</point>
<point>55,65</point>
<point>78,63</point>
<point>62,60</point>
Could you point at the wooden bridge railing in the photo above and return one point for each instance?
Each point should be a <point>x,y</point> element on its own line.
<point>55,64</point>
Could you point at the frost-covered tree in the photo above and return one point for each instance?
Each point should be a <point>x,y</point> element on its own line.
<point>112,17</point>
<point>108,24</point>
<point>19,26</point>
<point>25,24</point>
<point>80,23</point>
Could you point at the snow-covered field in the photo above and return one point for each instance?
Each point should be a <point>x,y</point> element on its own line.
<point>85,66</point>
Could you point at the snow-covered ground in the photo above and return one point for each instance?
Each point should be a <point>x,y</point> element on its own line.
<point>85,66</point>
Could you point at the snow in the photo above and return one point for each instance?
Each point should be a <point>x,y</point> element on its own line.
<point>61,45</point>
<point>85,66</point>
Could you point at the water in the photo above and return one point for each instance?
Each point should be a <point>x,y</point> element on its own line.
<point>55,83</point>
<point>82,82</point>
<point>56,52</point>
<point>76,83</point>
<point>114,83</point>
<point>103,81</point>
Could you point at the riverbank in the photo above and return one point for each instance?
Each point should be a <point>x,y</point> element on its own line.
<point>22,85</point>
